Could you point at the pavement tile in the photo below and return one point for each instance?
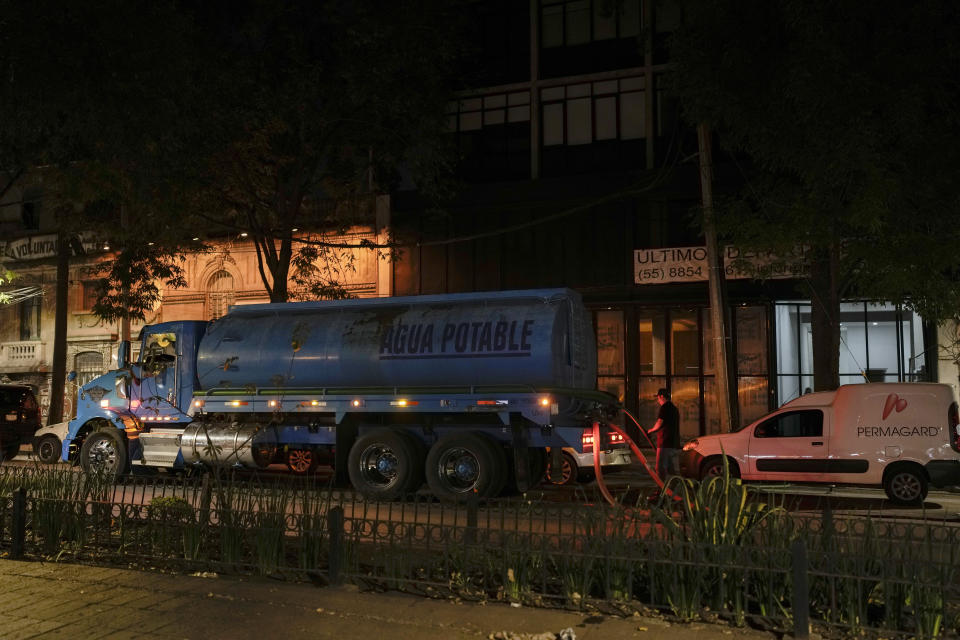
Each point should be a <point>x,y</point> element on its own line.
<point>36,629</point>
<point>53,607</point>
<point>165,607</point>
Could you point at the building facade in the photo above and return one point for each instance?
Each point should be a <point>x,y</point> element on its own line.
<point>582,174</point>
<point>224,276</point>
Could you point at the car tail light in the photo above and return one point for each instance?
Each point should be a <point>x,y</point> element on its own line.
<point>615,438</point>
<point>586,440</point>
<point>953,420</point>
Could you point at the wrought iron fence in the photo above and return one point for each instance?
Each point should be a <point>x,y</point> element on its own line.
<point>775,568</point>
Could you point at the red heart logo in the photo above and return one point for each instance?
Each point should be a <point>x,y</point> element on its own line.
<point>894,402</point>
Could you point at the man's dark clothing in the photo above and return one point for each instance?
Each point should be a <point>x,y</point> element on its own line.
<point>668,437</point>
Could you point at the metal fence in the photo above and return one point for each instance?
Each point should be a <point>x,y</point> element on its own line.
<point>785,572</point>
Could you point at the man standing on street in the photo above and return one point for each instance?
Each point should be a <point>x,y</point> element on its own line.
<point>667,429</point>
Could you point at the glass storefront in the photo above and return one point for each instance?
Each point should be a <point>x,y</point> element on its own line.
<point>641,349</point>
<point>673,348</point>
<point>878,343</point>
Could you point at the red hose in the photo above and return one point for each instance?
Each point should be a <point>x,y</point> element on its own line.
<point>636,451</point>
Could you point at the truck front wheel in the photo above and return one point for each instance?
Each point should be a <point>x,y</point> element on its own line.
<point>382,465</point>
<point>461,464</point>
<point>104,452</point>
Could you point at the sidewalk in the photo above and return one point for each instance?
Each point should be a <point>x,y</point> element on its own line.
<point>47,600</point>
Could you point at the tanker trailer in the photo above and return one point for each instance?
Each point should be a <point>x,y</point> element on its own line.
<point>464,391</point>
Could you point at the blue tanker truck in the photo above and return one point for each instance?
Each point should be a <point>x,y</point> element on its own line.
<point>463,391</point>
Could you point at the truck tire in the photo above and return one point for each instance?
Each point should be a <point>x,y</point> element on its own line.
<point>461,464</point>
<point>302,462</point>
<point>905,485</point>
<point>48,449</point>
<point>383,465</point>
<point>104,453</point>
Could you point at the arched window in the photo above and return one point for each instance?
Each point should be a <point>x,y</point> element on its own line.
<point>88,366</point>
<point>220,294</point>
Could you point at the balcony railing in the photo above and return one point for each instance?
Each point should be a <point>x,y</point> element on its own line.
<point>25,355</point>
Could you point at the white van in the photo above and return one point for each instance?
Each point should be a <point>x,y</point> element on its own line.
<point>901,436</point>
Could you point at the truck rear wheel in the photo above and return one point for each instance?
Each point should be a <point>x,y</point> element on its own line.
<point>461,464</point>
<point>383,465</point>
<point>905,485</point>
<point>104,452</point>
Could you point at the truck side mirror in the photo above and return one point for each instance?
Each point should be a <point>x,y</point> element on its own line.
<point>123,354</point>
<point>71,376</point>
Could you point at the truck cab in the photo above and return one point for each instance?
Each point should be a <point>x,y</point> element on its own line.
<point>138,402</point>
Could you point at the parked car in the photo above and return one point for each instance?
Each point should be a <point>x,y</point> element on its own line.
<point>899,436</point>
<point>578,467</point>
<point>20,418</point>
<point>48,442</point>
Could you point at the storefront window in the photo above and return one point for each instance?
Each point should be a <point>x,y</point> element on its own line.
<point>685,343</point>
<point>651,338</point>
<point>610,353</point>
<point>686,395</point>
<point>878,343</point>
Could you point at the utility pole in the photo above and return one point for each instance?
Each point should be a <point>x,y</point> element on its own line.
<point>718,303</point>
<point>125,290</point>
<point>59,375</point>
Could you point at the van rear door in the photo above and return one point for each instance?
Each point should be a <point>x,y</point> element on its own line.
<point>789,446</point>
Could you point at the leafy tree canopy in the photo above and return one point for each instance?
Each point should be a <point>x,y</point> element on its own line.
<point>842,119</point>
<point>312,109</point>
<point>845,118</point>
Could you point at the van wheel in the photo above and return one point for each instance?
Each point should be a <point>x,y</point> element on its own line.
<point>905,486</point>
<point>714,469</point>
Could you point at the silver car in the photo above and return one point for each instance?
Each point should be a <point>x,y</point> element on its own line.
<point>578,467</point>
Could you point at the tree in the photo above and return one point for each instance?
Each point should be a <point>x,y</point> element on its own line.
<point>312,109</point>
<point>93,96</point>
<point>842,120</point>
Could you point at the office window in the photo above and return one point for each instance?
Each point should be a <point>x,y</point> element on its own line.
<point>566,23</point>
<point>593,126</point>
<point>493,135</point>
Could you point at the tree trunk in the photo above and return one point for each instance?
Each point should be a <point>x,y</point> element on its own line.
<point>825,316</point>
<point>55,409</point>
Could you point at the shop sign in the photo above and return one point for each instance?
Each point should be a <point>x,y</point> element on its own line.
<point>689,264</point>
<point>38,247</point>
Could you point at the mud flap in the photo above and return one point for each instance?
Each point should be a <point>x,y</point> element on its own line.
<point>521,452</point>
